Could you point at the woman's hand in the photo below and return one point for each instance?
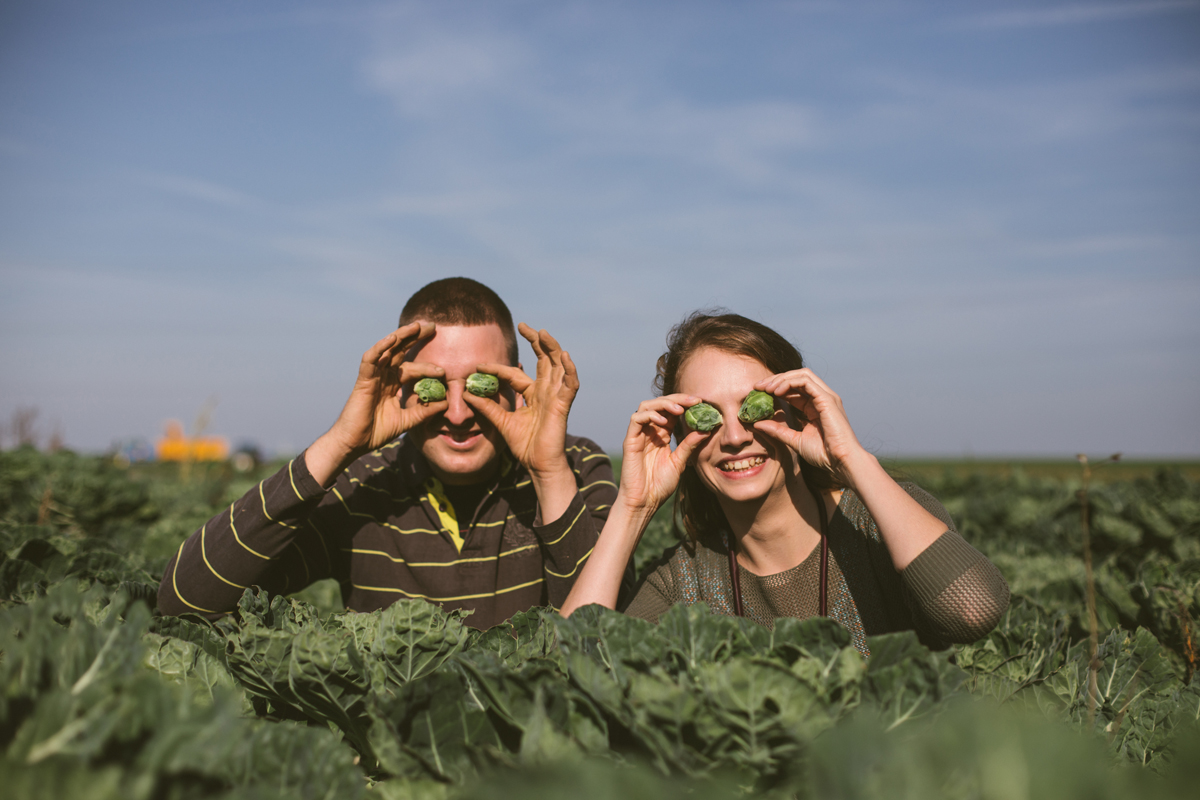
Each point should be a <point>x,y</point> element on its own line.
<point>823,436</point>
<point>650,469</point>
<point>649,474</point>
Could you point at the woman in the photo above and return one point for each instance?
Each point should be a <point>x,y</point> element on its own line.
<point>788,516</point>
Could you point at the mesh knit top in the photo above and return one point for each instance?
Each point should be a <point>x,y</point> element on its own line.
<point>949,593</point>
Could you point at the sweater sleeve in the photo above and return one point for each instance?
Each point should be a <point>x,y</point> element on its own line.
<point>653,596</point>
<point>954,592</point>
<point>262,539</point>
<point>567,541</point>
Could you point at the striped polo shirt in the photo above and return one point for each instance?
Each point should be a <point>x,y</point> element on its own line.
<point>387,530</point>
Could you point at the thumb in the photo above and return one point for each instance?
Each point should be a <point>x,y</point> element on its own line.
<point>687,448</point>
<point>421,412</point>
<point>780,432</point>
<point>488,409</point>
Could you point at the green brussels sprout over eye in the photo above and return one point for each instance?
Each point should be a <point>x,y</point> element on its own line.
<point>482,385</point>
<point>702,417</point>
<point>430,390</point>
<point>757,406</point>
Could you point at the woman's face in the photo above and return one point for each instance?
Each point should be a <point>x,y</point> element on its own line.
<point>737,462</point>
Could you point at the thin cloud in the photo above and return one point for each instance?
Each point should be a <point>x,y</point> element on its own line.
<point>199,189</point>
<point>1081,14</point>
<point>424,77</point>
<point>1040,113</point>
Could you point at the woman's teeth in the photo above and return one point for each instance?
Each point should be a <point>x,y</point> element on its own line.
<point>742,464</point>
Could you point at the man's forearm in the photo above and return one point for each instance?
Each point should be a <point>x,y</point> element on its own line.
<point>328,457</point>
<point>555,490</point>
<point>243,546</point>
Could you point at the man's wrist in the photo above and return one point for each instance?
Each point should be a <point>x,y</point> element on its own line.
<point>552,471</point>
<point>555,490</point>
<point>328,456</point>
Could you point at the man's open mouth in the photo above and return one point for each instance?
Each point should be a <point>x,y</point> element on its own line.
<point>460,437</point>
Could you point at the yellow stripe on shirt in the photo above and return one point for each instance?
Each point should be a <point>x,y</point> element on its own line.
<point>572,572</point>
<point>211,568</point>
<point>447,599</point>
<point>473,560</point>
<point>175,586</point>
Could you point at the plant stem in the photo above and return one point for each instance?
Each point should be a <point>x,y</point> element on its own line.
<point>1093,633</point>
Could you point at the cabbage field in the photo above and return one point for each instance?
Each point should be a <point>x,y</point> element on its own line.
<point>103,698</point>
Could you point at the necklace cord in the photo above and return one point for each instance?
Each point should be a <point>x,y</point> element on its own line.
<point>823,600</point>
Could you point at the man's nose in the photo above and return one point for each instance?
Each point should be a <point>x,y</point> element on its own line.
<point>458,413</point>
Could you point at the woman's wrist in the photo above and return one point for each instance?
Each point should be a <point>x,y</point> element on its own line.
<point>633,516</point>
<point>859,468</point>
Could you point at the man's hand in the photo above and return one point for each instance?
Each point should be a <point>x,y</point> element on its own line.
<point>536,430</point>
<point>373,416</point>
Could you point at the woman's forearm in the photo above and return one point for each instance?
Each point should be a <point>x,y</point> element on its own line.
<point>906,527</point>
<point>600,579</point>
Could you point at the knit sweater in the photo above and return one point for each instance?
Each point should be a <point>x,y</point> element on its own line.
<point>387,529</point>
<point>948,593</point>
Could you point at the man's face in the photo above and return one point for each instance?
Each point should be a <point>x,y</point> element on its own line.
<point>461,446</point>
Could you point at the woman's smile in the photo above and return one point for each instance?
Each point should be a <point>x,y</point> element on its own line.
<point>741,467</point>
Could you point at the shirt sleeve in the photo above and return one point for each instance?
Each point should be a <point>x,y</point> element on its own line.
<point>263,539</point>
<point>568,541</point>
<point>955,593</point>
<point>653,596</point>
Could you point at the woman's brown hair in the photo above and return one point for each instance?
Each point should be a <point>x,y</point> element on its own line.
<point>730,333</point>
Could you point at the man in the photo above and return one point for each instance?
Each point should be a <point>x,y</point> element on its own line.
<point>485,504</point>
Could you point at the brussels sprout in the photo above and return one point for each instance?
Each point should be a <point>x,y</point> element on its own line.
<point>702,417</point>
<point>757,406</point>
<point>482,384</point>
<point>430,390</point>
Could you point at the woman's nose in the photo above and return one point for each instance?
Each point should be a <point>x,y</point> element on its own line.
<point>733,431</point>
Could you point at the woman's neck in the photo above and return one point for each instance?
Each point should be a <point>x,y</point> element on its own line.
<point>777,532</point>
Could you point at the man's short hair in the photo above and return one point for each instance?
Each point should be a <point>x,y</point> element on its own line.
<point>461,301</point>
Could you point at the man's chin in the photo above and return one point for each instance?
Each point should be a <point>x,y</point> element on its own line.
<point>460,461</point>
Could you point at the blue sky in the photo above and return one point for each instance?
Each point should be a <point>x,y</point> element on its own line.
<point>979,221</point>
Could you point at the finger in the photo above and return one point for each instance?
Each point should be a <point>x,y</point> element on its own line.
<point>415,370</point>
<point>414,416</point>
<point>686,448</point>
<point>413,332</point>
<point>685,400</point>
<point>513,376</point>
<point>571,377</point>
<point>376,351</point>
<point>815,380</point>
<point>492,411</point>
<point>650,417</point>
<point>780,432</point>
<point>531,336</point>
<point>551,346</point>
<point>803,379</point>
<point>674,403</point>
